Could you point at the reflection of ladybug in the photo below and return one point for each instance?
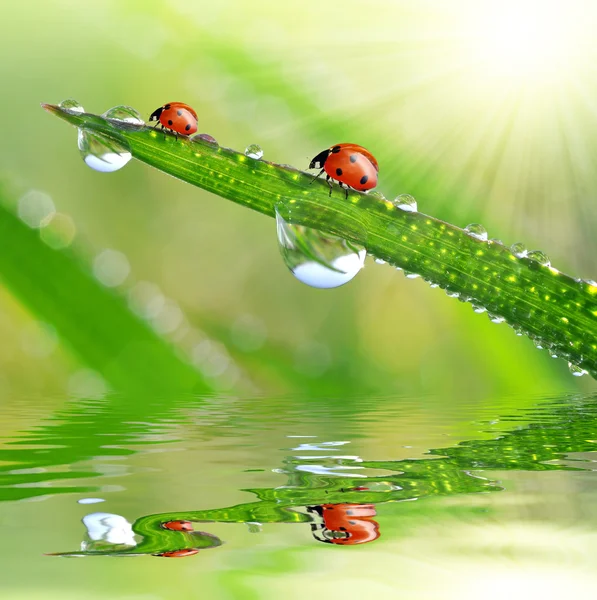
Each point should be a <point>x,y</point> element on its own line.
<point>345,524</point>
<point>178,525</point>
<point>348,164</point>
<point>178,553</point>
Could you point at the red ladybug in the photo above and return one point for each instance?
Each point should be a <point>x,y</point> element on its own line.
<point>348,164</point>
<point>345,524</point>
<point>178,553</point>
<point>178,525</point>
<point>177,117</point>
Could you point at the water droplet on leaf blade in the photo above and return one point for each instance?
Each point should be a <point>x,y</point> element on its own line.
<point>476,230</point>
<point>576,370</point>
<point>204,138</point>
<point>126,114</point>
<point>254,151</point>
<point>405,202</point>
<point>539,257</point>
<point>519,249</point>
<point>317,259</point>
<point>102,153</point>
<point>72,106</point>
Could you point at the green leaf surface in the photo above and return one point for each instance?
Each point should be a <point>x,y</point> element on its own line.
<point>94,322</point>
<point>558,312</point>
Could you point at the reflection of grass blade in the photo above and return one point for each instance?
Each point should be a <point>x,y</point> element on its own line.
<point>92,320</point>
<point>552,308</point>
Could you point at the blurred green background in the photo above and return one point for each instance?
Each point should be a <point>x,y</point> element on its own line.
<point>484,114</point>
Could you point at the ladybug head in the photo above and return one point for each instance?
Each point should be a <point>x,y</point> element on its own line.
<point>319,160</point>
<point>155,115</point>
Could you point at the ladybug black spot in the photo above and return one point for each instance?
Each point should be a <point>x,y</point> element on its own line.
<point>364,179</point>
<point>170,123</point>
<point>336,149</point>
<point>338,172</point>
<point>188,127</point>
<point>179,112</point>
<point>353,158</point>
<point>167,107</point>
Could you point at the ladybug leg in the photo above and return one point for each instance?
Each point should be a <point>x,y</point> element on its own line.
<point>317,176</point>
<point>330,183</point>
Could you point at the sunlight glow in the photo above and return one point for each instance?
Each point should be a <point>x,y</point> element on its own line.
<point>533,39</point>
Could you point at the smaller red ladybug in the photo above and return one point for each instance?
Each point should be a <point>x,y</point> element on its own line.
<point>177,117</point>
<point>178,525</point>
<point>178,553</point>
<point>349,164</point>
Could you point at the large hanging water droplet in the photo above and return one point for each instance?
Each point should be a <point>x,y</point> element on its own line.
<point>254,151</point>
<point>539,257</point>
<point>72,106</point>
<point>576,370</point>
<point>477,230</point>
<point>519,250</point>
<point>102,153</point>
<point>317,259</point>
<point>126,114</point>
<point>405,202</point>
<point>204,138</point>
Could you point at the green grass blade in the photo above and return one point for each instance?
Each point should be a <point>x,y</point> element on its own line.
<point>555,310</point>
<point>93,321</point>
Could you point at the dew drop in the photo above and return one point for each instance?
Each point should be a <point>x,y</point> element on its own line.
<point>539,257</point>
<point>376,194</point>
<point>576,370</point>
<point>204,138</point>
<point>479,309</point>
<point>519,249</point>
<point>410,275</point>
<point>125,114</point>
<point>102,153</point>
<point>476,230</point>
<point>254,151</point>
<point>495,318</point>
<point>319,260</point>
<point>405,202</point>
<point>452,294</point>
<point>72,106</point>
<point>434,285</point>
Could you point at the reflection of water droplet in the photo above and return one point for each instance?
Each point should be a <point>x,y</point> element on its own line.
<point>90,500</point>
<point>254,526</point>
<point>576,371</point>
<point>101,153</point>
<point>254,151</point>
<point>35,209</point>
<point>72,106</point>
<point>204,137</point>
<point>519,249</point>
<point>59,231</point>
<point>539,257</point>
<point>476,230</point>
<point>111,268</point>
<point>126,114</point>
<point>405,202</point>
<point>319,260</point>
